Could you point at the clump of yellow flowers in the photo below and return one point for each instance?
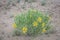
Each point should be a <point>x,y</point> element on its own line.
<point>35,23</point>
<point>43,30</point>
<point>39,19</point>
<point>32,22</point>
<point>24,30</point>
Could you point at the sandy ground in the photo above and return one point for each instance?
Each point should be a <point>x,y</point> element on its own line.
<point>7,14</point>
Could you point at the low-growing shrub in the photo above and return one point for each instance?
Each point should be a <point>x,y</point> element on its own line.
<point>32,22</point>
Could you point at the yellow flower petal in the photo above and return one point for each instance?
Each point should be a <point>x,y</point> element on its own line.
<point>44,30</point>
<point>24,29</point>
<point>39,19</point>
<point>35,23</point>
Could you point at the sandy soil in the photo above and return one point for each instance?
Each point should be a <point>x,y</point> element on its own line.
<point>8,11</point>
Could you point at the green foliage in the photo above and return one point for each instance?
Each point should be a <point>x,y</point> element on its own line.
<point>32,22</point>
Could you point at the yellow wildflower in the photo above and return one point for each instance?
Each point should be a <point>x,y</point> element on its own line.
<point>39,19</point>
<point>35,23</point>
<point>43,24</point>
<point>24,29</point>
<point>44,30</point>
<point>14,25</point>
